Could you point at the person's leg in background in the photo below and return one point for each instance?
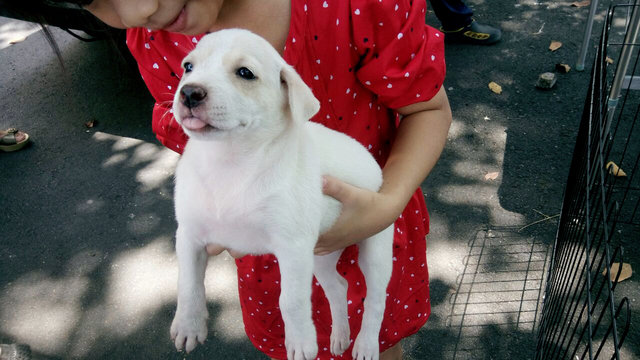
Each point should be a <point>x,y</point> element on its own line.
<point>458,24</point>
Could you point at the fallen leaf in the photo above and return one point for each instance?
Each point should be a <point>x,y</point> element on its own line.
<point>495,87</point>
<point>555,45</point>
<point>625,273</point>
<point>581,3</point>
<point>91,123</point>
<point>17,40</point>
<point>615,170</point>
<point>609,60</point>
<point>563,68</point>
<point>491,176</point>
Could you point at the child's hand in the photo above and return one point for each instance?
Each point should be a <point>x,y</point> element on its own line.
<point>364,213</point>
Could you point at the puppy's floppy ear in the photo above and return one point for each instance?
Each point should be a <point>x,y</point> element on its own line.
<point>300,100</point>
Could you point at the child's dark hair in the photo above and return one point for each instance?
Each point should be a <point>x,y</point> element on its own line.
<point>68,15</point>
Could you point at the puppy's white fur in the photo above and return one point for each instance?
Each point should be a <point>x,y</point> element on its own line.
<point>250,180</point>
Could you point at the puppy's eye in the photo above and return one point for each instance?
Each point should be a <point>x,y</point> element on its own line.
<point>245,73</point>
<point>188,67</point>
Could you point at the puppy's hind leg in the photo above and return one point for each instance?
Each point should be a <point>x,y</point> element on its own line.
<point>335,288</point>
<point>189,325</point>
<point>376,261</point>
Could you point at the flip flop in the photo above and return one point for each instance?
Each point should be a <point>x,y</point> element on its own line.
<point>8,141</point>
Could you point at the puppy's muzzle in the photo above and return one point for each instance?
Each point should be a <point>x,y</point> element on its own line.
<point>192,95</point>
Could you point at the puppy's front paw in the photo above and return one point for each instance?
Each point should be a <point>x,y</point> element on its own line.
<point>339,337</point>
<point>301,347</point>
<point>188,329</point>
<point>366,348</point>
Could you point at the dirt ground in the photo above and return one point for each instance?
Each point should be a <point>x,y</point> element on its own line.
<point>89,212</point>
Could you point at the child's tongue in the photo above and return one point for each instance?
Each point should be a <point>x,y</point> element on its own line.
<point>193,123</point>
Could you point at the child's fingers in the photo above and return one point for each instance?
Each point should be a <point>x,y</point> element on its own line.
<point>336,188</point>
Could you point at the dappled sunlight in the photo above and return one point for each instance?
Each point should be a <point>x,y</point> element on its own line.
<point>140,282</point>
<point>472,170</point>
<point>531,11</point>
<point>143,281</point>
<point>90,270</point>
<point>43,310</point>
<point>514,25</point>
<point>158,171</point>
<point>158,163</point>
<point>16,31</point>
<point>120,143</point>
<point>547,5</point>
<point>95,274</point>
<point>146,153</point>
<point>222,287</point>
<point>474,150</point>
<point>619,23</point>
<point>50,313</point>
<point>444,257</point>
<point>491,134</point>
<point>477,190</point>
<point>114,160</point>
<point>485,196</point>
<point>500,288</point>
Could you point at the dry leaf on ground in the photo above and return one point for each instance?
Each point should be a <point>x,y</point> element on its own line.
<point>625,273</point>
<point>615,170</point>
<point>491,176</point>
<point>609,60</point>
<point>495,87</point>
<point>91,123</point>
<point>581,3</point>
<point>555,45</point>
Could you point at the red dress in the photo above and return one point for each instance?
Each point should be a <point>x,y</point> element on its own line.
<point>362,58</point>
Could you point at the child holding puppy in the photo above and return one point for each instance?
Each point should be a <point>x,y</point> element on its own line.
<point>377,71</point>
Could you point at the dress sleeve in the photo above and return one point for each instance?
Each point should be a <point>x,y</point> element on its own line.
<point>401,58</point>
<point>159,55</point>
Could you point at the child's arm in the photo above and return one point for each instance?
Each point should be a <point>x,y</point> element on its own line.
<point>418,144</point>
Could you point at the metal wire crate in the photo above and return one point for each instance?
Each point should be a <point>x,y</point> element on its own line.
<point>581,317</point>
<point>496,303</point>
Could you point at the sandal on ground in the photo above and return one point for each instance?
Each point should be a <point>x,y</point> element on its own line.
<point>9,142</point>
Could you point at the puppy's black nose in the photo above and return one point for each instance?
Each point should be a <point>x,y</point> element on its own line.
<point>192,95</point>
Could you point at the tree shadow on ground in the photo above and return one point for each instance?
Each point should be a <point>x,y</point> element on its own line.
<point>91,271</point>
<point>98,207</point>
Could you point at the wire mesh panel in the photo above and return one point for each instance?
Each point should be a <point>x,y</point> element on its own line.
<point>496,303</point>
<point>581,317</point>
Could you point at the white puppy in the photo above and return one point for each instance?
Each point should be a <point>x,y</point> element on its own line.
<point>250,180</point>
